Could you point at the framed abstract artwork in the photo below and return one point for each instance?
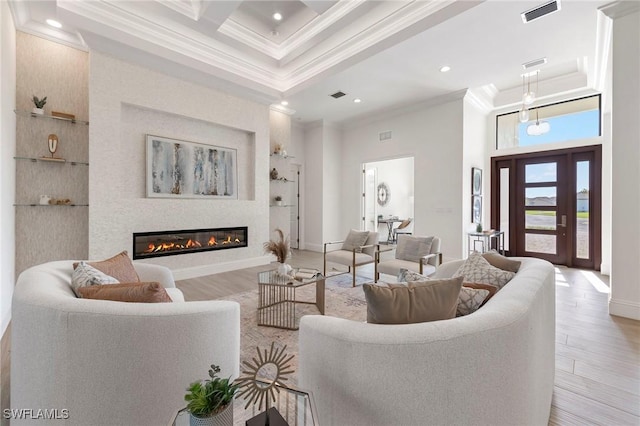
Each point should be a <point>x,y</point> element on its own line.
<point>476,209</point>
<point>181,169</point>
<point>476,181</point>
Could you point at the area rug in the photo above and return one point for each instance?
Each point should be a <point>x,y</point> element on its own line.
<point>341,300</point>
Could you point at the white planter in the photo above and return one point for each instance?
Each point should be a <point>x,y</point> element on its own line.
<point>279,203</point>
<point>38,111</point>
<point>224,418</point>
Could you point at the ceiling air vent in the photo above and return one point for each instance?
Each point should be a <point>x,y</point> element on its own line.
<point>534,63</point>
<point>338,94</point>
<point>384,136</point>
<point>540,11</point>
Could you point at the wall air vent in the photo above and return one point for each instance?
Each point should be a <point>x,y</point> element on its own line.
<point>540,11</point>
<point>534,63</point>
<point>338,94</point>
<point>385,136</point>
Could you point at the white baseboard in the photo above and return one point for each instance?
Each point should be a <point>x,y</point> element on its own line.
<point>314,247</point>
<point>605,269</point>
<point>623,308</point>
<point>216,268</point>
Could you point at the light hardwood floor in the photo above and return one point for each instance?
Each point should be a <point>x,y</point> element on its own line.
<point>597,355</point>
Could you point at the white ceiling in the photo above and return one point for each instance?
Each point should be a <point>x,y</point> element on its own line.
<point>387,53</point>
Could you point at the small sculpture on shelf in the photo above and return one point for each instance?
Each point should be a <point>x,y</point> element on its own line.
<point>274,174</point>
<point>39,103</point>
<point>52,142</point>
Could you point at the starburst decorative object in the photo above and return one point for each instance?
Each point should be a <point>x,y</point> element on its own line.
<point>253,383</point>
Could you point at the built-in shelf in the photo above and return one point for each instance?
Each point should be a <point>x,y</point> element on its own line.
<point>52,160</point>
<point>281,205</point>
<point>281,156</point>
<point>49,117</point>
<point>282,180</point>
<point>51,205</point>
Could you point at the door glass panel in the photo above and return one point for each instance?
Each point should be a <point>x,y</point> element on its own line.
<point>540,219</point>
<point>541,172</point>
<point>538,243</point>
<point>504,205</point>
<point>543,196</point>
<point>582,209</point>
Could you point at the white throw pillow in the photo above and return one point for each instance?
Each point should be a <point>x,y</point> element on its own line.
<point>413,248</point>
<point>85,275</point>
<point>476,269</point>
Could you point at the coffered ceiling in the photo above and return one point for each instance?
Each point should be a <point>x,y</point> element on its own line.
<point>386,53</point>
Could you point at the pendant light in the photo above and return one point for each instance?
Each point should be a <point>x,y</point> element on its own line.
<point>539,127</point>
<point>523,114</point>
<point>528,97</point>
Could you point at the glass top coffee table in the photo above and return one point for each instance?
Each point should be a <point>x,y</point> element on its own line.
<point>277,298</point>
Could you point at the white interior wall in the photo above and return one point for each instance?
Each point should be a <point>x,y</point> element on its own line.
<point>7,163</point>
<point>177,109</point>
<point>474,155</point>
<point>297,150</point>
<point>625,197</point>
<point>332,184</point>
<point>313,208</point>
<point>431,134</point>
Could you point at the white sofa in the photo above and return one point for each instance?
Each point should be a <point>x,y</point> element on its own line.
<point>493,367</point>
<point>113,363</point>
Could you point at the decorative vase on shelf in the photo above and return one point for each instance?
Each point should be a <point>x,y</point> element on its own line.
<point>284,269</point>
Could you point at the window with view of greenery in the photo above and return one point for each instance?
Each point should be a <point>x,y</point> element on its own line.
<point>569,120</point>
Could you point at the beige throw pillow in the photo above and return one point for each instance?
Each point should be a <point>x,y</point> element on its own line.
<point>119,267</point>
<point>502,262</point>
<point>413,248</point>
<point>151,292</point>
<point>415,302</point>
<point>355,240</point>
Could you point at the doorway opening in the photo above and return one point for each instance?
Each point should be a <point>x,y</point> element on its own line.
<point>549,205</point>
<point>388,196</point>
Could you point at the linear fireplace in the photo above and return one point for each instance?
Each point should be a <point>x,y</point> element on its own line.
<point>169,243</point>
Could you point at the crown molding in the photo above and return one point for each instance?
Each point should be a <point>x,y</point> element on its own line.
<point>619,9</point>
<point>482,97</point>
<point>604,32</point>
<point>277,51</point>
<point>281,108</point>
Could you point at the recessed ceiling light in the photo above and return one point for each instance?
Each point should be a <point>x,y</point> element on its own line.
<point>284,103</point>
<point>357,100</point>
<point>54,23</point>
<point>445,68</point>
<point>277,16</point>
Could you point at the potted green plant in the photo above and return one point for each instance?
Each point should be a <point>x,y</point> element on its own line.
<point>210,401</point>
<point>278,200</point>
<point>39,103</point>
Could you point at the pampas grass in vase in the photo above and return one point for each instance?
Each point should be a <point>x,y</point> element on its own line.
<point>280,249</point>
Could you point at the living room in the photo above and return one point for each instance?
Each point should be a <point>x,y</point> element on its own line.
<point>447,135</point>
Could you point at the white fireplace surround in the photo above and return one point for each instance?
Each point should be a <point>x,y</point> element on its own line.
<point>122,111</point>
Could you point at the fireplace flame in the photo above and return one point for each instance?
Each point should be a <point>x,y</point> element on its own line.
<point>228,240</point>
<point>189,244</point>
<point>212,241</point>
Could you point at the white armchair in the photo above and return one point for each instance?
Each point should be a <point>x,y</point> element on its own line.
<point>359,248</point>
<point>113,362</point>
<point>412,253</point>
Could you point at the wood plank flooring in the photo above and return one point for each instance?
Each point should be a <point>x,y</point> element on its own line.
<point>597,355</point>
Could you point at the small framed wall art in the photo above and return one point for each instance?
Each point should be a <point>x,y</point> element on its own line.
<point>476,181</point>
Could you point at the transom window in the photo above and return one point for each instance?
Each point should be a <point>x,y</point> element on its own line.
<point>569,120</point>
